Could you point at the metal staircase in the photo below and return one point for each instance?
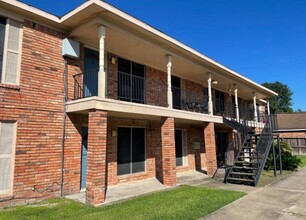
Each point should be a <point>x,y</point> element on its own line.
<point>252,155</point>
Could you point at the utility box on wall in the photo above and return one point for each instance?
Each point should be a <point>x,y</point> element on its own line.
<point>70,48</point>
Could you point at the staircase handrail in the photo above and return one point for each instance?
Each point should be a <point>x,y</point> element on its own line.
<point>243,131</point>
<point>263,146</point>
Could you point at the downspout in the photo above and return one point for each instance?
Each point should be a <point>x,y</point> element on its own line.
<point>64,126</point>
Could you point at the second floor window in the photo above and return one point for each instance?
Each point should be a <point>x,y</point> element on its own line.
<point>131,81</point>
<point>10,47</point>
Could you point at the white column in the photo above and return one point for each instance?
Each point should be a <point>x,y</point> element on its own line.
<point>210,103</point>
<point>169,89</point>
<point>255,107</point>
<point>101,74</point>
<point>236,102</point>
<point>268,107</point>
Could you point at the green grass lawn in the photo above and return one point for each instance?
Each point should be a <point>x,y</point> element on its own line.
<point>267,177</point>
<point>185,202</point>
<point>303,157</point>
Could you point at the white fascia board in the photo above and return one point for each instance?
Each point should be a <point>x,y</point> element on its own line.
<point>32,9</point>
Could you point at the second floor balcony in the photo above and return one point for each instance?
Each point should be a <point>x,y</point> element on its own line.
<point>146,90</point>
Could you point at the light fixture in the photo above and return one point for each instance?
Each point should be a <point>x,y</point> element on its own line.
<point>229,90</point>
<point>215,82</point>
<point>114,133</point>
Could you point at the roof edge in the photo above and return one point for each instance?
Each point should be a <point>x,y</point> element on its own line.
<point>139,23</point>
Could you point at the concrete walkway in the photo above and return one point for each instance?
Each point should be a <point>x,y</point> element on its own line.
<point>284,199</point>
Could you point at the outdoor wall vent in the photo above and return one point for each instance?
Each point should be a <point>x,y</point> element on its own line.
<point>71,48</point>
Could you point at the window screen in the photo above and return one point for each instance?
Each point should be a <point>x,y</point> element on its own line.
<point>6,156</point>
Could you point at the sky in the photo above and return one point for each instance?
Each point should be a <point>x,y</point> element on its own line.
<point>264,40</point>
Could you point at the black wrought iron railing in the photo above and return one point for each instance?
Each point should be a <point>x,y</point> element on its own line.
<point>122,86</point>
<point>131,88</point>
<point>189,101</point>
<point>78,86</point>
<point>263,146</point>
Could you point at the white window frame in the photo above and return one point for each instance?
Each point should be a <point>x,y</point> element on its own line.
<point>10,191</point>
<point>5,50</point>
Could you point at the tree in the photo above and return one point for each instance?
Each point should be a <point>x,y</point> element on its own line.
<point>282,102</point>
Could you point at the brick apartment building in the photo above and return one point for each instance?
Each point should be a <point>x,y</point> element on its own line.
<point>140,104</point>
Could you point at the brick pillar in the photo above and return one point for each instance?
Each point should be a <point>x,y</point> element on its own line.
<point>168,152</point>
<point>96,157</point>
<point>210,148</point>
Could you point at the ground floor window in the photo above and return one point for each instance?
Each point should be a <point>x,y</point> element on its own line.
<point>131,150</point>
<point>7,142</point>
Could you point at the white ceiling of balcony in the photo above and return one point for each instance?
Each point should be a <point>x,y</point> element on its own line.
<point>144,48</point>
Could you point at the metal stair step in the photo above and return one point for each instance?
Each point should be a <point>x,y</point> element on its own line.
<point>249,157</point>
<point>244,168</point>
<point>248,147</point>
<point>240,180</point>
<point>242,174</point>
<point>245,162</point>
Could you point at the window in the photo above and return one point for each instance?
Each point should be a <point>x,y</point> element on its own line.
<point>131,150</point>
<point>7,142</point>
<point>131,81</point>
<point>10,47</point>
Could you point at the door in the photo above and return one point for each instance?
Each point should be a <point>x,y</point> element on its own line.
<point>176,92</point>
<point>91,69</point>
<point>131,81</point>
<point>84,157</point>
<point>179,147</point>
<point>219,102</point>
<point>221,142</point>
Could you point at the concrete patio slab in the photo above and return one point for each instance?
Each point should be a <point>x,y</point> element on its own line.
<point>125,191</point>
<point>129,190</point>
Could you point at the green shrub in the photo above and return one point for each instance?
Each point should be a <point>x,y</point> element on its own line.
<point>289,161</point>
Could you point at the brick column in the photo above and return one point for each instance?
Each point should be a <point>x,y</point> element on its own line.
<point>210,148</point>
<point>168,152</point>
<point>96,157</point>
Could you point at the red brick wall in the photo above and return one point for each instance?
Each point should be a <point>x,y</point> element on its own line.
<point>194,91</point>
<point>193,134</point>
<point>168,152</point>
<point>156,87</point>
<point>37,106</point>
<point>210,147</point>
<point>293,135</point>
<point>112,77</point>
<point>73,151</point>
<point>96,161</point>
<point>152,132</point>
